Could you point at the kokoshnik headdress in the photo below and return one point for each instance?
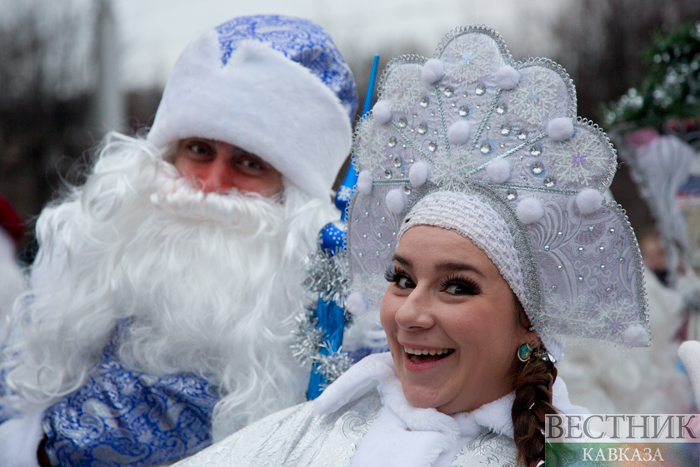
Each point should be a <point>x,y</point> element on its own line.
<point>473,122</point>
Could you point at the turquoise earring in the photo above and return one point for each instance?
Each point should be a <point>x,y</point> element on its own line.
<point>524,352</point>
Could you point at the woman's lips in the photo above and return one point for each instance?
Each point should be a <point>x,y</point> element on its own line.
<point>420,359</point>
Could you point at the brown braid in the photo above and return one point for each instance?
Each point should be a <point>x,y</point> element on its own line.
<point>533,384</point>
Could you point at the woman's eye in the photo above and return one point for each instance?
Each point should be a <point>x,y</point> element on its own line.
<point>404,283</point>
<point>461,287</point>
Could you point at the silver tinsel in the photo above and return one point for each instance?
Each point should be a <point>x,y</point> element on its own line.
<point>308,337</point>
<point>333,365</point>
<point>308,342</point>
<point>329,276</point>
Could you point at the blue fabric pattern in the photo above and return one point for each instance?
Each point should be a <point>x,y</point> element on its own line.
<point>301,41</point>
<point>127,418</point>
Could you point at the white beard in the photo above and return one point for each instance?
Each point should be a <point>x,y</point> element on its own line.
<point>208,283</point>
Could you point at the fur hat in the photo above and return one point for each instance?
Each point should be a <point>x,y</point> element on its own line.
<point>273,85</point>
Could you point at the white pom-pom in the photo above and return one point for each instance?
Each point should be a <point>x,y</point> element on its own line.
<point>529,210</point>
<point>433,71</point>
<point>364,182</point>
<point>560,129</point>
<point>636,336</point>
<point>507,77</point>
<point>382,111</point>
<point>459,132</point>
<point>396,201</point>
<point>419,173</point>
<point>498,170</point>
<point>589,200</point>
<point>356,304</point>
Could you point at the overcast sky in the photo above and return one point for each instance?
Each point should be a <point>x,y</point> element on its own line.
<point>154,32</point>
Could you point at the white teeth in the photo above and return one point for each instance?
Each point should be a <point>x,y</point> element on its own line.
<point>412,351</point>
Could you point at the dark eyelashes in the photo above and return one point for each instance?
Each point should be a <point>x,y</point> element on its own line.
<point>393,274</point>
<point>468,286</point>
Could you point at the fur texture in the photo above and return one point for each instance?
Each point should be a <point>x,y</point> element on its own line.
<point>364,182</point>
<point>418,173</point>
<point>507,77</point>
<point>208,282</point>
<point>560,129</point>
<point>498,170</point>
<point>301,128</point>
<point>529,210</point>
<point>396,200</point>
<point>589,200</point>
<point>382,111</point>
<point>459,132</point>
<point>433,71</point>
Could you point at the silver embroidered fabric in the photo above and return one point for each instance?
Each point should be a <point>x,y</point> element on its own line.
<point>583,274</point>
<point>297,437</point>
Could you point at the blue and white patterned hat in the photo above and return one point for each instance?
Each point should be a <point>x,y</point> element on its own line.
<point>273,85</point>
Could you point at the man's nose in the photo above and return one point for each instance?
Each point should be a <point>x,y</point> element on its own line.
<point>218,175</point>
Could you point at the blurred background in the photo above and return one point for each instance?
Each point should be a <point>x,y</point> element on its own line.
<point>71,70</point>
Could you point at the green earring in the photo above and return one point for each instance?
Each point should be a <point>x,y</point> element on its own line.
<point>524,352</point>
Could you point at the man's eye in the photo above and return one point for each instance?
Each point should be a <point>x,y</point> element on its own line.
<point>201,149</point>
<point>252,164</point>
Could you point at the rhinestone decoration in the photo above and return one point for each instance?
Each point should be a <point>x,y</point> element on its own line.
<point>580,278</point>
<point>601,249</point>
<point>622,260</point>
<point>612,230</point>
<point>522,135</point>
<point>536,150</point>
<point>505,129</point>
<point>590,228</point>
<point>537,168</point>
<point>580,249</point>
<point>546,248</point>
<point>449,92</point>
<point>602,266</point>
<point>402,122</point>
<point>480,89</point>
<point>485,148</point>
<point>407,189</point>
<point>560,233</point>
<point>463,111</point>
<point>425,102</point>
<point>379,234</point>
<point>501,108</point>
<point>383,219</point>
<point>549,182</point>
<point>554,287</point>
<point>423,128</point>
<point>511,195</point>
<point>392,142</point>
<point>397,161</point>
<point>432,147</point>
<point>387,174</point>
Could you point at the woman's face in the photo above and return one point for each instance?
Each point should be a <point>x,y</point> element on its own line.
<point>448,302</point>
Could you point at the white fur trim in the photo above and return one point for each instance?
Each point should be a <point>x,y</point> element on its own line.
<point>396,200</point>
<point>382,111</point>
<point>262,102</point>
<point>689,352</point>
<point>636,336</point>
<point>498,171</point>
<point>364,182</point>
<point>419,173</point>
<point>560,129</point>
<point>20,438</point>
<point>529,210</point>
<point>459,132</point>
<point>433,71</point>
<point>507,77</point>
<point>356,303</point>
<point>589,200</point>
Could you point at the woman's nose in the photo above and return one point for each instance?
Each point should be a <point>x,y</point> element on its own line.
<point>414,313</point>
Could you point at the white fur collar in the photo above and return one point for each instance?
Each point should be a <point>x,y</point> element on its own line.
<point>403,433</point>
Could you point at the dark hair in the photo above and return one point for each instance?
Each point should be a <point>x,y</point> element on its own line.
<point>533,400</point>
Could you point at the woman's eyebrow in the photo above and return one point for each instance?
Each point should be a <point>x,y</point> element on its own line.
<point>451,266</point>
<point>400,259</point>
